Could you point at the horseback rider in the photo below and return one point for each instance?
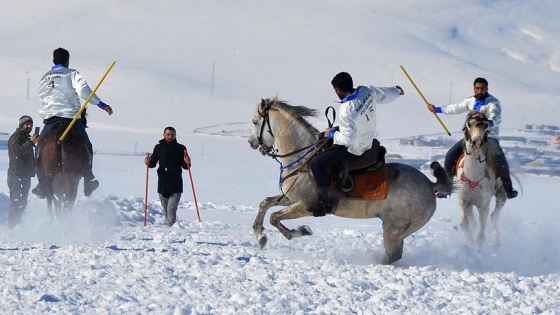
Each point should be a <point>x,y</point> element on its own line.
<point>60,91</point>
<point>355,133</point>
<point>483,102</point>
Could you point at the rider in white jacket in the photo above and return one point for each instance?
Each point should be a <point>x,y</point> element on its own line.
<point>60,91</point>
<point>355,133</point>
<point>358,123</point>
<point>490,106</point>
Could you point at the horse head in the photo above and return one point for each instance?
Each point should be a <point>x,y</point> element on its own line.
<point>261,133</point>
<point>476,131</point>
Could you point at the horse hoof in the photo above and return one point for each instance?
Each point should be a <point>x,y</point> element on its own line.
<point>262,241</point>
<point>305,230</point>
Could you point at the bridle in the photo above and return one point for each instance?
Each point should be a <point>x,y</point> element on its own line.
<point>479,121</point>
<point>310,150</point>
<point>475,120</point>
<point>271,151</point>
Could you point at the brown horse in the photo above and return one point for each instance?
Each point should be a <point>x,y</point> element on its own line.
<point>61,166</point>
<point>410,200</point>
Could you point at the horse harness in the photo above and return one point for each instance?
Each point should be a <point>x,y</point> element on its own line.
<point>312,149</point>
<point>479,121</point>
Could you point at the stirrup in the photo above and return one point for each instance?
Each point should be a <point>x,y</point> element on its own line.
<point>90,186</point>
<point>511,193</point>
<point>319,209</point>
<point>440,194</point>
<point>39,192</point>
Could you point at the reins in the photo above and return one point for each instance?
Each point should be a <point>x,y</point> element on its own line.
<point>312,149</point>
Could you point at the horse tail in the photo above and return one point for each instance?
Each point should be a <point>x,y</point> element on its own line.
<point>443,183</point>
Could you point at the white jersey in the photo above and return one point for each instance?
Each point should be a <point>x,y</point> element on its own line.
<point>60,91</point>
<point>490,107</point>
<point>358,117</point>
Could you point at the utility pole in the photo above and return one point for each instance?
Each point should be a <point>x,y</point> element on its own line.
<point>212,83</point>
<point>27,94</point>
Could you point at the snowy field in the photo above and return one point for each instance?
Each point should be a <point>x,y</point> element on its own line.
<point>204,65</point>
<point>101,259</point>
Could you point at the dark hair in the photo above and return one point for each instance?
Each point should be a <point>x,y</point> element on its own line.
<point>343,81</point>
<point>169,128</point>
<point>481,80</point>
<point>61,56</point>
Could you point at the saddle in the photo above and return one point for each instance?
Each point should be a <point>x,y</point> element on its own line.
<point>362,177</point>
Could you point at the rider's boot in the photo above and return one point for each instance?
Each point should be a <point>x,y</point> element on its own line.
<point>39,191</point>
<point>90,183</point>
<point>510,192</point>
<point>323,205</point>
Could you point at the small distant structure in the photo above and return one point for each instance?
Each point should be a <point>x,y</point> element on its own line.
<point>544,129</point>
<point>514,140</point>
<point>555,141</point>
<point>4,136</point>
<point>421,141</point>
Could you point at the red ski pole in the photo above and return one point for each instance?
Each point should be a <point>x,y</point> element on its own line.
<point>194,194</point>
<point>146,196</point>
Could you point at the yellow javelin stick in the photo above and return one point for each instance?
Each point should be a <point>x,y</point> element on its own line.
<point>85,104</point>
<point>427,104</point>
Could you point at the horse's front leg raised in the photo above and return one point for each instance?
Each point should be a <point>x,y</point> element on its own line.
<point>267,203</point>
<point>294,211</point>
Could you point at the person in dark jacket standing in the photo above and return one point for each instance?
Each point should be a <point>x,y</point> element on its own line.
<point>21,168</point>
<point>172,159</point>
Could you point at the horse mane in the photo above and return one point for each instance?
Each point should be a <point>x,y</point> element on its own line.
<point>298,113</point>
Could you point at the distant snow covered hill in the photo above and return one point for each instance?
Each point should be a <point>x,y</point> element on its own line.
<point>173,56</point>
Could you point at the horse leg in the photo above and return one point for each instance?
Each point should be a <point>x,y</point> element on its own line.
<point>71,192</point>
<point>500,202</point>
<point>393,240</point>
<point>294,211</point>
<point>467,219</point>
<point>267,203</point>
<point>483,211</point>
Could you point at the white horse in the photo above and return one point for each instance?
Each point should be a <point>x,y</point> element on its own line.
<point>478,182</point>
<point>281,130</point>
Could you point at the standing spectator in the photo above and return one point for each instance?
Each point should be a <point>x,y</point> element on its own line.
<point>21,168</point>
<point>172,159</point>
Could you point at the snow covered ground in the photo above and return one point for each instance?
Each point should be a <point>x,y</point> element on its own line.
<point>200,65</point>
<point>102,260</point>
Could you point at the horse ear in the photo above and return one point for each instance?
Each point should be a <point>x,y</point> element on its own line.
<point>275,98</point>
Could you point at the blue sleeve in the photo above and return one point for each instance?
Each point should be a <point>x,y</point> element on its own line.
<point>438,110</point>
<point>101,105</point>
<point>331,134</point>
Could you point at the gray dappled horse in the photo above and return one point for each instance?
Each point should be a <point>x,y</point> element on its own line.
<point>478,182</point>
<point>410,201</point>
